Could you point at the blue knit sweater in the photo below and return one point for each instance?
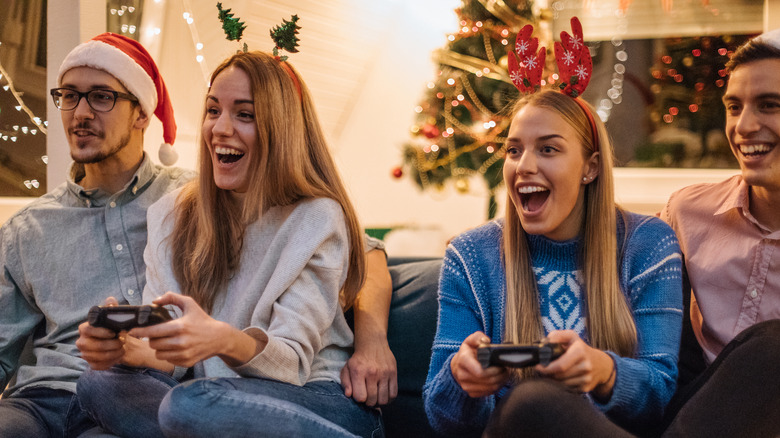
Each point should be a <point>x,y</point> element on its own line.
<point>472,296</point>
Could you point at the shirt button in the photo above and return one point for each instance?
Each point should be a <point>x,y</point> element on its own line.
<point>119,247</point>
<point>130,292</point>
<point>753,293</point>
<point>112,204</point>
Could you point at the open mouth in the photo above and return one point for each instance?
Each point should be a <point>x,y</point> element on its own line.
<point>228,155</point>
<point>532,198</point>
<point>753,150</point>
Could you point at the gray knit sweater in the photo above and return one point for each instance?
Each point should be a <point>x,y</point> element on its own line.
<point>293,265</point>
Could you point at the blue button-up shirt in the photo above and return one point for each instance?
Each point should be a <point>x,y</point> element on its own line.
<point>64,253</point>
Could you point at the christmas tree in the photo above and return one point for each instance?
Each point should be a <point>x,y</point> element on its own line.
<point>463,119</point>
<point>689,79</point>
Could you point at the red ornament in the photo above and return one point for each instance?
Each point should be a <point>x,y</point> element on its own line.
<point>430,131</point>
<point>398,172</point>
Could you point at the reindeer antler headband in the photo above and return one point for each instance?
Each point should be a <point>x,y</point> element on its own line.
<point>574,66</point>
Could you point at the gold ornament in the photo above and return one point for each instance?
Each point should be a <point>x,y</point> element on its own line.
<point>462,184</point>
<point>504,62</point>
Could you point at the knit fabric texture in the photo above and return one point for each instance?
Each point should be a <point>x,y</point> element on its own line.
<point>472,298</point>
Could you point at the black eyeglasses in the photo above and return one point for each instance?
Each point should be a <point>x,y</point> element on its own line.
<point>102,101</point>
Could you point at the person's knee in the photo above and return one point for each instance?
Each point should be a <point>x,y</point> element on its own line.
<point>528,406</point>
<point>183,407</point>
<point>90,387</point>
<point>763,341</point>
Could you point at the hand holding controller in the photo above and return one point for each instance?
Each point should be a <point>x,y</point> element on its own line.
<point>518,356</point>
<point>126,317</point>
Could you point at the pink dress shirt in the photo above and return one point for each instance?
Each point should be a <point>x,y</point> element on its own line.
<point>733,262</point>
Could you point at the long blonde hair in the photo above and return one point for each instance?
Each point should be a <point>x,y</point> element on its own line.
<point>293,163</point>
<point>610,323</point>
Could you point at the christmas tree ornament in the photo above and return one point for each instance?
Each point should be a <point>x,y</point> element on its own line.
<point>398,172</point>
<point>430,131</point>
<point>233,26</point>
<point>462,184</point>
<point>285,37</point>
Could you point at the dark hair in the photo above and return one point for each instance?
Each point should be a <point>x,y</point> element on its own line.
<point>753,50</point>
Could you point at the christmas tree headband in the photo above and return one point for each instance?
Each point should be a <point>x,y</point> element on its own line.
<point>284,37</point>
<point>574,66</point>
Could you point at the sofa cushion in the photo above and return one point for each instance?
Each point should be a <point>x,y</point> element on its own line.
<point>411,329</point>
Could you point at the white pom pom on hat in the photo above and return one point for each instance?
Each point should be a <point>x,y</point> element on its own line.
<point>771,38</point>
<point>128,61</point>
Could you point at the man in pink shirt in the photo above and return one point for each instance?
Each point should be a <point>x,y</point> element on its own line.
<point>729,233</point>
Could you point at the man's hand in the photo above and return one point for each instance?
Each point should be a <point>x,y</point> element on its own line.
<point>468,372</point>
<point>100,347</point>
<point>370,375</point>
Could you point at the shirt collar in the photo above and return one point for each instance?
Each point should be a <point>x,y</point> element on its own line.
<point>739,199</point>
<point>145,173</point>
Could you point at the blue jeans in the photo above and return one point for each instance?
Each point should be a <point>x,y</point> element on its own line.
<point>42,412</point>
<point>125,400</point>
<point>222,407</point>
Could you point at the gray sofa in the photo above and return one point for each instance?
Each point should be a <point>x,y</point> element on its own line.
<point>411,328</point>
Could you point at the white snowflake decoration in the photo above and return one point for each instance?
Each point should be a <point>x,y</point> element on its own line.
<point>530,62</point>
<point>568,58</point>
<point>581,72</point>
<point>576,42</point>
<point>516,77</point>
<point>522,47</point>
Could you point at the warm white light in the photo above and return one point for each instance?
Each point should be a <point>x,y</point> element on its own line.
<point>186,15</point>
<point>434,147</point>
<point>199,46</point>
<point>190,20</point>
<point>418,109</point>
<point>199,58</point>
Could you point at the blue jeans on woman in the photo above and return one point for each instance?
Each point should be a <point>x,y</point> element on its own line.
<point>142,402</point>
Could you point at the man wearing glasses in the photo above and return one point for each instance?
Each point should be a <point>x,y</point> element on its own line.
<point>83,241</point>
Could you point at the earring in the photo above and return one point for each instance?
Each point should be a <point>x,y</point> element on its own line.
<point>584,179</point>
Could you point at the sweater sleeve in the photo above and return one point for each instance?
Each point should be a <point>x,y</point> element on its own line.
<point>309,273</point>
<point>451,411</point>
<point>651,277</point>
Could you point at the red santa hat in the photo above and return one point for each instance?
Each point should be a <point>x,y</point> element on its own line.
<point>771,38</point>
<point>128,61</point>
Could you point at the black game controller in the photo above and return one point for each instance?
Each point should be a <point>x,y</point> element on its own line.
<point>518,356</point>
<point>125,317</point>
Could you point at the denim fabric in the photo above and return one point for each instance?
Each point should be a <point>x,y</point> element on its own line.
<point>222,407</point>
<point>240,407</point>
<point>42,412</point>
<point>124,400</point>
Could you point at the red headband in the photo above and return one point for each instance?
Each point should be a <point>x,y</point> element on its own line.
<point>292,76</point>
<point>574,66</point>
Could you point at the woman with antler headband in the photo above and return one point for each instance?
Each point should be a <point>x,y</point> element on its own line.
<point>601,286</point>
<point>253,254</point>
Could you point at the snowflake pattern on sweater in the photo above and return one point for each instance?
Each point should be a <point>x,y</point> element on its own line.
<point>560,300</point>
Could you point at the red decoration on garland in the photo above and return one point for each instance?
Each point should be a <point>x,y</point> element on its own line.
<point>430,130</point>
<point>398,172</point>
